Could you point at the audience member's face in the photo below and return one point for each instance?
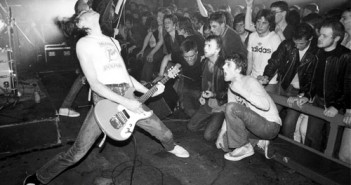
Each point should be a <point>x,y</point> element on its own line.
<point>262,26</point>
<point>301,44</point>
<point>346,20</point>
<point>129,25</point>
<point>325,39</point>
<point>169,25</point>
<point>196,23</point>
<point>230,70</point>
<point>160,16</point>
<point>279,14</point>
<point>216,28</point>
<point>211,48</point>
<point>190,57</point>
<point>240,27</point>
<point>207,32</point>
<point>180,31</point>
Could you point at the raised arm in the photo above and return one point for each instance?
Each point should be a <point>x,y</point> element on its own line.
<point>202,8</point>
<point>249,25</point>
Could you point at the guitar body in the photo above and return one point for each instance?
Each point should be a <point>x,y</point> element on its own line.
<point>115,120</point>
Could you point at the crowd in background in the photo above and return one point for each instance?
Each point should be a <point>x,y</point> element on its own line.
<point>296,52</point>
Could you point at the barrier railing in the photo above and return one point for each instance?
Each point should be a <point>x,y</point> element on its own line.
<point>311,110</point>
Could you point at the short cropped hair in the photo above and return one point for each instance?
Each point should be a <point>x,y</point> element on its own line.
<point>239,18</point>
<point>188,45</point>
<point>171,17</point>
<point>282,5</point>
<point>269,16</point>
<point>185,24</point>
<point>303,30</point>
<point>337,27</point>
<point>239,60</point>
<point>218,17</point>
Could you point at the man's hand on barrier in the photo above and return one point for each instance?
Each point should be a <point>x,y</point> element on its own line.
<point>347,118</point>
<point>330,111</point>
<point>301,101</point>
<point>291,101</point>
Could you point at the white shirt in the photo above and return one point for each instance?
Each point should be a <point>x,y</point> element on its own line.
<point>262,49</point>
<point>110,69</point>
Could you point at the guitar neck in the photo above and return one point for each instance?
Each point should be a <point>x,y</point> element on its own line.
<point>151,91</point>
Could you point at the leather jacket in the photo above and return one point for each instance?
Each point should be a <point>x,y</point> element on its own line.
<point>337,79</point>
<point>219,85</point>
<point>286,62</point>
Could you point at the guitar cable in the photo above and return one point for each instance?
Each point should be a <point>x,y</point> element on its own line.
<point>135,163</point>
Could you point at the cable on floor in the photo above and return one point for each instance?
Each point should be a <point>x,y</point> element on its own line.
<point>133,165</point>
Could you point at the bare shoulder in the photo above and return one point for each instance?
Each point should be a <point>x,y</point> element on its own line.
<point>251,82</point>
<point>86,44</point>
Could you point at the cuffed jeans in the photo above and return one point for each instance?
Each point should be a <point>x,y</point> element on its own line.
<point>204,117</point>
<point>244,124</point>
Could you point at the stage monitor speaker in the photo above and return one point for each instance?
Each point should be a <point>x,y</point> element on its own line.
<point>58,53</point>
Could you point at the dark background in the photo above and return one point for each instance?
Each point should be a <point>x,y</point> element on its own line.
<point>34,22</point>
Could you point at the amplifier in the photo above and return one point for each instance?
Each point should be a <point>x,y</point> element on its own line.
<point>57,52</point>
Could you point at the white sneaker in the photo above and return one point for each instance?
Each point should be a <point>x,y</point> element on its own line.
<point>68,112</point>
<point>240,153</point>
<point>179,152</point>
<point>263,144</point>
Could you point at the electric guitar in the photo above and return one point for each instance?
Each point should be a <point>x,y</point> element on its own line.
<point>116,121</point>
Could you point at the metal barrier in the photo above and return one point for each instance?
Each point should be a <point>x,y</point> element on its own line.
<point>309,109</point>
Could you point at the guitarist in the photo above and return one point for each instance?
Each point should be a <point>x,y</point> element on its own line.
<point>102,64</point>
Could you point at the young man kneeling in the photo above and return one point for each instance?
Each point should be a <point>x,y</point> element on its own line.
<point>250,113</point>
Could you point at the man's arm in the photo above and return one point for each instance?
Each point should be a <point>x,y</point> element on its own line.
<point>202,8</point>
<point>275,61</point>
<point>141,88</point>
<point>249,25</point>
<point>146,41</point>
<point>164,64</point>
<point>157,47</point>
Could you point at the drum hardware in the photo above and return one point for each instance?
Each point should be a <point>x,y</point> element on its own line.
<point>8,70</point>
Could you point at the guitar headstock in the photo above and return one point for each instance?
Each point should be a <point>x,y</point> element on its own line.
<point>173,71</point>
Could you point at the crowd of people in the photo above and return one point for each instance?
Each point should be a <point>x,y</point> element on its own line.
<point>231,62</point>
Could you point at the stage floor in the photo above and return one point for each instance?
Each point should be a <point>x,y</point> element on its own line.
<point>37,134</point>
